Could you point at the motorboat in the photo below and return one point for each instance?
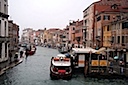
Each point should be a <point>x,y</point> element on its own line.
<point>60,67</point>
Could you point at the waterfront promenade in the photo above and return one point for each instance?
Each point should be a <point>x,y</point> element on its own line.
<point>13,64</point>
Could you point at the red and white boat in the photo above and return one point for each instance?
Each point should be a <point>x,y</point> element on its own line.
<point>60,67</point>
<point>32,51</point>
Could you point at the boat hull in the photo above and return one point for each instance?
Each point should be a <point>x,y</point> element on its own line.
<point>31,52</point>
<point>60,76</point>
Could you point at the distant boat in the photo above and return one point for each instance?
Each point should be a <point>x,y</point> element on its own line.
<point>31,49</point>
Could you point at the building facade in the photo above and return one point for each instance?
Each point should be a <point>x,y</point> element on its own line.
<point>13,31</point>
<point>79,33</point>
<point>93,34</point>
<point>75,34</point>
<point>120,37</point>
<point>4,39</point>
<point>88,24</point>
<point>105,16</point>
<point>27,36</point>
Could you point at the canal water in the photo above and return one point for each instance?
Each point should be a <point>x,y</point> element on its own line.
<point>35,71</point>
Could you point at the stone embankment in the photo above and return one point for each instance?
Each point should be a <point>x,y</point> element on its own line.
<point>11,65</point>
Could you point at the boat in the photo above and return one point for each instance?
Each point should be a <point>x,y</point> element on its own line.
<point>60,67</point>
<point>31,49</point>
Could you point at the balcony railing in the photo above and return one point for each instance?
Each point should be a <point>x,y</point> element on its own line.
<point>4,39</point>
<point>4,15</point>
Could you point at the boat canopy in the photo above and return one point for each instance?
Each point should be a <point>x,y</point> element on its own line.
<point>84,50</point>
<point>89,50</point>
<point>101,51</point>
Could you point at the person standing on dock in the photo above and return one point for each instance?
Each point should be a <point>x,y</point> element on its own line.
<point>121,63</point>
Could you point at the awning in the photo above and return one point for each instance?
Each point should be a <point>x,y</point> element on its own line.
<point>101,50</point>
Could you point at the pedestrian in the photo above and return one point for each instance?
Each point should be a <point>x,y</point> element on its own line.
<point>111,66</point>
<point>121,63</point>
<point>26,53</point>
<point>16,57</point>
<point>21,53</point>
<point>10,56</point>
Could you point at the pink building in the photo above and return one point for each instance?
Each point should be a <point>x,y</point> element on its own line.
<point>76,33</point>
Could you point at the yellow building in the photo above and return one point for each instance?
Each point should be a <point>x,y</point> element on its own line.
<point>46,37</point>
<point>107,36</point>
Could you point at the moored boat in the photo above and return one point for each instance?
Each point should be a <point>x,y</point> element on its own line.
<point>31,50</point>
<point>60,67</point>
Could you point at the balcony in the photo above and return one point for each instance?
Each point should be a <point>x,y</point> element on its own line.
<point>4,15</point>
<point>4,39</point>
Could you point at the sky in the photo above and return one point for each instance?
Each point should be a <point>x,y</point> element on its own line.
<point>40,14</point>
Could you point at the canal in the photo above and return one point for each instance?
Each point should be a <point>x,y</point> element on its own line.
<point>35,71</point>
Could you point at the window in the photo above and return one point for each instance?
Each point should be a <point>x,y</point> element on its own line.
<point>94,57</point>
<point>5,24</point>
<point>114,6</point>
<point>73,28</point>
<point>99,32</point>
<point>122,39</point>
<point>118,17</point>
<point>85,22</point>
<point>0,50</point>
<point>108,28</point>
<point>112,39</point>
<point>6,49</point>
<point>118,39</point>
<point>5,8</point>
<point>125,25</point>
<point>106,17</point>
<point>64,36</point>
<point>99,18</point>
